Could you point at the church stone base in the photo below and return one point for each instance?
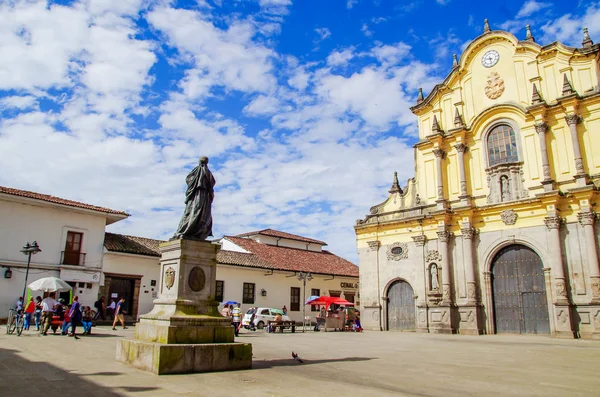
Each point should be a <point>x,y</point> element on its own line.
<point>469,320</point>
<point>163,359</point>
<point>440,320</point>
<point>588,317</point>
<point>563,321</point>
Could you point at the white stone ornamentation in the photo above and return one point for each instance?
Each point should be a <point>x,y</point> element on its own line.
<point>509,217</point>
<point>397,251</point>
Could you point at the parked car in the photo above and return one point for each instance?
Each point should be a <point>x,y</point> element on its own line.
<point>262,315</point>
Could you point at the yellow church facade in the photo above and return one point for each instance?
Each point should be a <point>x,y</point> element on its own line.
<point>497,232</point>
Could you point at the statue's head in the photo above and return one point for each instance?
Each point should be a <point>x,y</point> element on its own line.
<point>204,160</point>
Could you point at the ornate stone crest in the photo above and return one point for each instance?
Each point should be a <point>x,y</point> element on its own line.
<point>397,251</point>
<point>169,277</point>
<point>509,217</point>
<point>495,86</point>
<point>433,256</point>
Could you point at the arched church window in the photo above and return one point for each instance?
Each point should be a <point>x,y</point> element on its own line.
<point>502,145</point>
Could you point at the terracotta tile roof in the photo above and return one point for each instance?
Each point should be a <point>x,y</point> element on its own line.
<point>291,259</point>
<point>241,259</point>
<point>131,244</point>
<point>58,200</point>
<point>277,233</point>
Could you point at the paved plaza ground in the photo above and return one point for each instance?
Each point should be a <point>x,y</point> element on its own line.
<point>336,364</point>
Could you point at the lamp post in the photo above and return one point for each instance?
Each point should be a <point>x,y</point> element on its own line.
<point>304,277</point>
<point>29,250</point>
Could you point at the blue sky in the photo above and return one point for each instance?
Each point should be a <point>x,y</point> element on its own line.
<point>302,106</point>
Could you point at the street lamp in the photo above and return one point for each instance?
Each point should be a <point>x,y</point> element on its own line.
<point>29,250</point>
<point>304,277</point>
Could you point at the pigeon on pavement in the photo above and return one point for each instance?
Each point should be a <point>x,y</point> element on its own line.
<point>296,357</point>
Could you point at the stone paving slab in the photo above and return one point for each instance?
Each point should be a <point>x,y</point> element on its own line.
<point>335,364</point>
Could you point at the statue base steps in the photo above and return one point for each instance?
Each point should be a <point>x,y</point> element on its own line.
<point>164,359</point>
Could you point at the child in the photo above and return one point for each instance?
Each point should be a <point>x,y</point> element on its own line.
<point>356,327</point>
<point>66,321</point>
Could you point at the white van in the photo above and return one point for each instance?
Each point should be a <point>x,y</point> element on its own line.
<point>262,315</point>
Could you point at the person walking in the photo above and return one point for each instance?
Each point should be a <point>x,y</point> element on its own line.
<point>75,314</point>
<point>29,310</point>
<point>110,310</point>
<point>119,311</point>
<point>100,309</point>
<point>48,305</point>
<point>236,313</point>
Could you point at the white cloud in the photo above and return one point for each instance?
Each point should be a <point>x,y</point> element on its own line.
<point>18,102</point>
<point>365,29</point>
<point>228,58</point>
<point>442,2</point>
<point>323,33</point>
<point>338,58</point>
<point>351,3</point>
<point>530,7</point>
<point>568,28</point>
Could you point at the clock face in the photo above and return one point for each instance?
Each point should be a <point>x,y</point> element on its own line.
<point>490,58</point>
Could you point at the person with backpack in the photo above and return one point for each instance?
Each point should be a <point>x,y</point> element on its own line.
<point>75,314</point>
<point>236,314</point>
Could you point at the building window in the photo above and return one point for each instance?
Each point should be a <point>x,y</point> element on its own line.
<point>315,292</point>
<point>502,145</point>
<point>249,289</point>
<point>349,296</point>
<point>72,253</point>
<point>295,299</point>
<point>219,290</point>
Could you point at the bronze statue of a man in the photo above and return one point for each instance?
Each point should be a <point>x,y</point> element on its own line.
<point>196,222</point>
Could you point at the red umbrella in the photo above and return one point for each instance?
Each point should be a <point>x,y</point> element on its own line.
<point>328,300</point>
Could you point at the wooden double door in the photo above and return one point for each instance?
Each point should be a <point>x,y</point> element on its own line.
<point>519,292</point>
<point>401,307</point>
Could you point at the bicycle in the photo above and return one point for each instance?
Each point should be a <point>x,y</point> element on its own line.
<point>15,322</point>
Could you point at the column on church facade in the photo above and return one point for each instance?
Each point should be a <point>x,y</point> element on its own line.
<point>470,270</point>
<point>541,129</point>
<point>439,155</point>
<point>553,224</point>
<point>572,121</point>
<point>461,148</point>
<point>586,219</point>
<point>444,238</point>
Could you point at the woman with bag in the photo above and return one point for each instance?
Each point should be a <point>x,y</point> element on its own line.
<point>75,314</point>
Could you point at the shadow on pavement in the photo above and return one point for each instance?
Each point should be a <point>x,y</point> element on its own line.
<point>262,364</point>
<point>20,377</point>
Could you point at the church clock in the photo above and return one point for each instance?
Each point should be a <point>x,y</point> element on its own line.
<point>490,58</point>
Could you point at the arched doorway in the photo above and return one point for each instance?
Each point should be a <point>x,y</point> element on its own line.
<point>400,307</point>
<point>519,291</point>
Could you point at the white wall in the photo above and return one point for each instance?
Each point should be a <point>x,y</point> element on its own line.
<point>277,287</point>
<point>25,222</point>
<point>145,266</point>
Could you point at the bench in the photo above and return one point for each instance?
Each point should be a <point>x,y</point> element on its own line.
<point>273,325</point>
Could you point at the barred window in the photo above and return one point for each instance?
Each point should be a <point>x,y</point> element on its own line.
<point>295,299</point>
<point>248,296</point>
<point>502,145</point>
<point>219,290</point>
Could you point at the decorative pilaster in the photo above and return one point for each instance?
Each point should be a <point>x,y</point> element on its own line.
<point>420,240</point>
<point>395,185</point>
<point>586,219</point>
<point>461,148</point>
<point>439,155</point>
<point>454,61</point>
<point>486,26</point>
<point>444,237</point>
<point>536,98</point>
<point>553,224</point>
<point>374,245</point>
<point>458,121</point>
<point>468,234</point>
<point>435,126</point>
<point>541,129</point>
<point>572,120</point>
<point>420,96</point>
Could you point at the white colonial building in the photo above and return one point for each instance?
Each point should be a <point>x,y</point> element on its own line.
<point>257,269</point>
<point>69,233</point>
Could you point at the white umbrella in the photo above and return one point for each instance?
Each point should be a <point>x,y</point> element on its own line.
<point>49,284</point>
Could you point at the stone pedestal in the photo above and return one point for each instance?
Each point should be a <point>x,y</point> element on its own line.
<point>440,319</point>
<point>589,321</point>
<point>469,320</point>
<point>562,323</point>
<point>422,323</point>
<point>184,332</point>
